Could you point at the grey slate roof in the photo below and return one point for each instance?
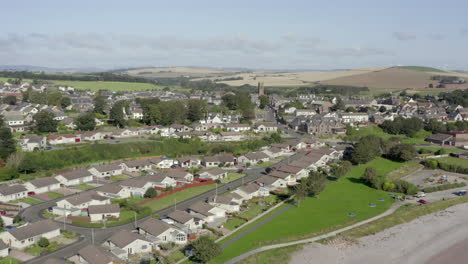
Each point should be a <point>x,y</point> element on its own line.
<point>154,226</point>
<point>125,237</point>
<point>43,182</point>
<point>180,216</point>
<point>104,209</point>
<point>11,189</point>
<point>97,255</point>
<point>34,229</point>
<point>76,174</point>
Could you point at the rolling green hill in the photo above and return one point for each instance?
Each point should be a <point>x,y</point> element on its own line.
<point>420,68</point>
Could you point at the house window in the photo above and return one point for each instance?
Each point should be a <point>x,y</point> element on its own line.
<point>144,247</point>
<point>180,237</point>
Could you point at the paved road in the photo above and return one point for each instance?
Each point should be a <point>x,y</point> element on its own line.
<point>33,214</point>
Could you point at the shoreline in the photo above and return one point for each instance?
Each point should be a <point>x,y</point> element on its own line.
<point>436,238</point>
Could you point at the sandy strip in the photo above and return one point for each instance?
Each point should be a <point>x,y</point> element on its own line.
<point>432,239</point>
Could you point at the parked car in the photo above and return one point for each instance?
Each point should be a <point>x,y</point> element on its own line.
<point>31,193</point>
<point>461,193</point>
<point>420,194</point>
<point>2,212</point>
<point>422,201</point>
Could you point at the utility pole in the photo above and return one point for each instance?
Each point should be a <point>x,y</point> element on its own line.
<point>92,236</point>
<point>135,219</point>
<point>175,204</point>
<point>64,220</point>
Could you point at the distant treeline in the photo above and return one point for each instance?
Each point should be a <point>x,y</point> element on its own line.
<point>333,89</point>
<point>457,97</point>
<point>103,76</point>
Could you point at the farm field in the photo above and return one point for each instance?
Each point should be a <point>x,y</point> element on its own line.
<point>111,86</point>
<point>329,211</point>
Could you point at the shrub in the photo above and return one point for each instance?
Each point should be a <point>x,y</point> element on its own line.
<point>150,193</point>
<point>43,242</point>
<point>444,187</point>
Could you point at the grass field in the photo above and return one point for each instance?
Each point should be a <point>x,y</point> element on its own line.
<point>54,195</point>
<point>274,256</point>
<point>420,68</point>
<point>9,260</point>
<point>232,176</point>
<point>84,187</point>
<point>265,164</point>
<point>329,211</point>
<point>111,86</point>
<point>233,223</point>
<point>27,200</point>
<point>118,177</point>
<point>125,217</point>
<point>404,170</point>
<point>454,161</point>
<point>357,133</point>
<point>169,200</point>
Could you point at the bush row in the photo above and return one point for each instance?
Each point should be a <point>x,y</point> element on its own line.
<point>444,187</point>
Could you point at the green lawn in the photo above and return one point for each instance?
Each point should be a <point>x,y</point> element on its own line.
<point>54,195</point>
<point>233,223</point>
<point>435,149</point>
<point>329,211</point>
<point>231,176</point>
<point>265,164</point>
<point>111,86</point>
<point>357,133</point>
<point>27,200</point>
<point>9,260</point>
<point>253,211</point>
<point>169,200</point>
<point>274,256</point>
<point>118,178</point>
<point>454,161</point>
<point>404,170</point>
<point>176,256</point>
<point>35,250</point>
<point>84,187</point>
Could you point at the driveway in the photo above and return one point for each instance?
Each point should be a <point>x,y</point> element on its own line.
<point>19,255</point>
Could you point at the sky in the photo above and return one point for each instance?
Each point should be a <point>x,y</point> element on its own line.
<point>254,34</point>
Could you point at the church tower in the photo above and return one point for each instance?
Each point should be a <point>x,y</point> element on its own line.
<point>261,89</point>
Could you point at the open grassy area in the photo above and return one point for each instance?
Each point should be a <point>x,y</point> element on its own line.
<point>404,170</point>
<point>111,86</point>
<point>176,256</point>
<point>327,212</point>
<point>357,133</point>
<point>54,195</point>
<point>404,214</point>
<point>265,164</point>
<point>420,68</point>
<point>27,200</point>
<point>169,200</point>
<point>125,217</point>
<point>454,161</point>
<point>253,211</point>
<point>84,187</point>
<point>274,256</point>
<point>233,223</point>
<point>9,260</point>
<point>36,250</point>
<point>435,149</point>
<point>118,177</point>
<point>232,176</point>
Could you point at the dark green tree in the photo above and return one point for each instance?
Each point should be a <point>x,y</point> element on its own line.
<point>43,242</point>
<point>350,109</point>
<point>7,143</point>
<point>434,126</point>
<point>150,193</point>
<point>382,109</point>
<point>339,105</point>
<point>45,122</point>
<point>205,249</point>
<point>65,102</point>
<point>264,101</point>
<point>402,152</point>
<point>195,109</point>
<point>117,114</point>
<point>86,122</point>
<point>100,105</point>
<point>10,99</point>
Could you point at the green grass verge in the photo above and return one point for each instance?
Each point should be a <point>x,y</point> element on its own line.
<point>9,260</point>
<point>54,195</point>
<point>169,200</point>
<point>421,68</point>
<point>265,164</point>
<point>327,212</point>
<point>253,211</point>
<point>233,223</point>
<point>27,200</point>
<point>118,178</point>
<point>454,161</point>
<point>84,187</point>
<point>126,216</point>
<point>404,214</point>
<point>274,256</point>
<point>231,176</point>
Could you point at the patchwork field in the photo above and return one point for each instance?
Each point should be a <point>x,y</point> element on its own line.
<point>173,72</point>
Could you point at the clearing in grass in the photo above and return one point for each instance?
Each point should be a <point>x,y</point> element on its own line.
<point>314,215</point>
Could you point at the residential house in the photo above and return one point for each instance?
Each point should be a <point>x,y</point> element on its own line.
<point>230,202</point>
<point>160,232</point>
<point>136,165</point>
<point>189,161</point>
<point>206,212</point>
<point>125,133</point>
<point>231,136</point>
<point>354,118</point>
<point>42,185</point>
<point>441,139</point>
<point>113,191</point>
<point>213,174</point>
<point>125,243</point>
<point>25,236</point>
<point>4,249</point>
<point>289,178</point>
<point>92,254</point>
<point>265,127</point>
<point>180,176</point>
<point>93,136</point>
<point>252,190</point>
<point>12,192</point>
<point>298,172</point>
<point>106,170</point>
<point>253,158</point>
<point>226,160</point>
<point>63,139</point>
<point>74,177</point>
<point>305,112</point>
<point>184,221</point>
<point>103,211</point>
<point>33,142</point>
<point>75,204</point>
<point>238,127</point>
<point>161,163</point>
